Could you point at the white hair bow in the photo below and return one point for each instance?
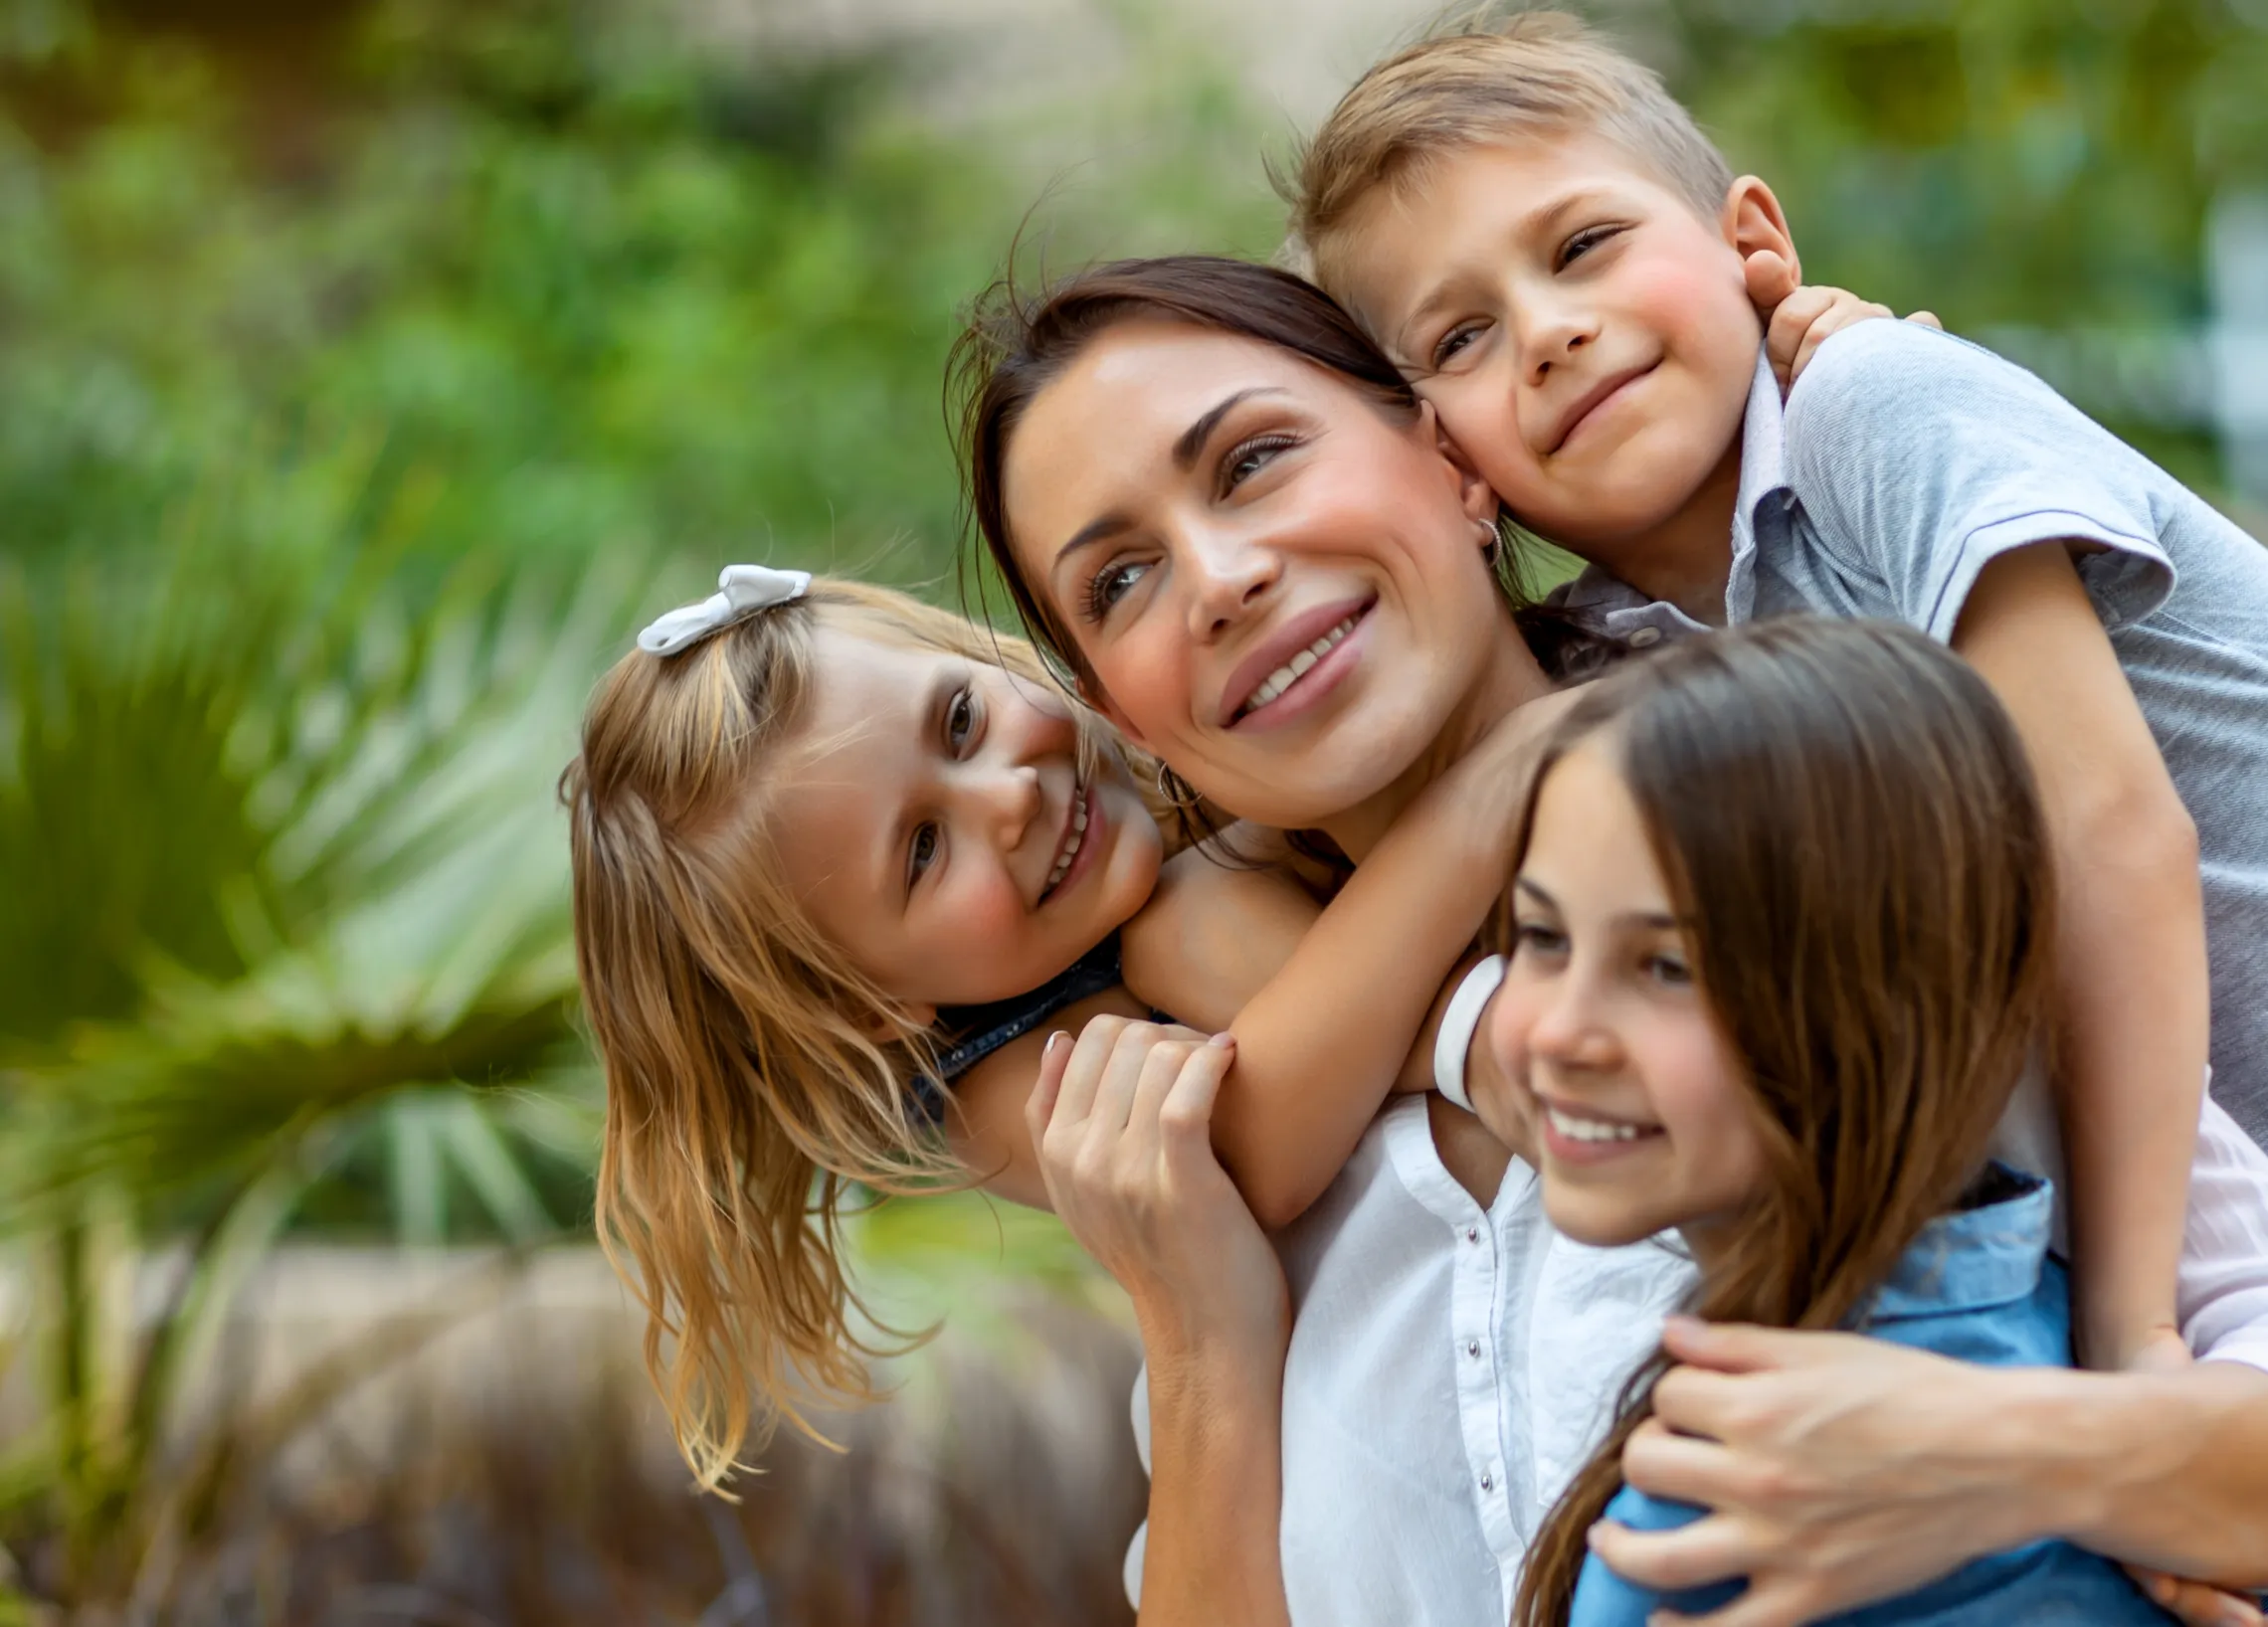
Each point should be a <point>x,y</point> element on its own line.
<point>742,590</point>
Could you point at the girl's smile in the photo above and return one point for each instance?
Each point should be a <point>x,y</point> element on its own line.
<point>943,828</point>
<point>1643,1116</point>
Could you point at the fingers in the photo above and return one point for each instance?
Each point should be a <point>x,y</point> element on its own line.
<point>1040,1106</point>
<point>1734,1346</point>
<point>1185,1113</point>
<point>1680,1468</point>
<point>1791,323</point>
<point>1708,1550</point>
<point>1926,318</point>
<point>1083,1070</point>
<point>1769,277</point>
<point>2197,1603</point>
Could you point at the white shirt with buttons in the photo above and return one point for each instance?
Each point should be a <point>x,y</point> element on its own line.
<point>1452,1368</point>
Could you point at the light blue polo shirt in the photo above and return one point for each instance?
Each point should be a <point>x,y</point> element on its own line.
<point>1977,1286</point>
<point>1903,461</point>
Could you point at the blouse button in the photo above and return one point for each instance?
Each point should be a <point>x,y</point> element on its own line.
<point>1472,1348</point>
<point>1473,1234</point>
<point>1489,1483</point>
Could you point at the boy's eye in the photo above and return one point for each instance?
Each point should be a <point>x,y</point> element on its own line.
<point>1446,347</point>
<point>921,852</point>
<point>1109,585</point>
<point>1583,241</point>
<point>960,720</point>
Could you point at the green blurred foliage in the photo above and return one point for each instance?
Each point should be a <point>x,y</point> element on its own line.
<point>2032,163</point>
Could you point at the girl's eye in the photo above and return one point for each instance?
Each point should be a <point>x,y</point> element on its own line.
<point>960,720</point>
<point>1590,238</point>
<point>1451,343</point>
<point>1669,970</point>
<point>1534,938</point>
<point>1109,585</point>
<point>1248,459</point>
<point>921,852</point>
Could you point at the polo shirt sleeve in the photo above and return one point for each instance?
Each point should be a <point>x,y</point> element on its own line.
<point>1918,459</point>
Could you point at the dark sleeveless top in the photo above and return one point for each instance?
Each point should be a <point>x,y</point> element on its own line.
<point>967,1035</point>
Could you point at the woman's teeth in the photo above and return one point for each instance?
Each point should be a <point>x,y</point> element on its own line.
<point>1575,1129</point>
<point>1071,842</point>
<point>1284,677</point>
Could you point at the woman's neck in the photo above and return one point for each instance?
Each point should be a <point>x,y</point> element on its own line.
<point>1511,680</point>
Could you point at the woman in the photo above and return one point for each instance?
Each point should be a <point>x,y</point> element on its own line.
<point>1232,521</point>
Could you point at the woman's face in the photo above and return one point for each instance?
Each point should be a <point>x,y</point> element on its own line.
<point>1277,585</point>
<point>937,822</point>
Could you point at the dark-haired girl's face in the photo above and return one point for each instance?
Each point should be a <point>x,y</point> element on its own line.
<point>1276,583</point>
<point>1641,1114</point>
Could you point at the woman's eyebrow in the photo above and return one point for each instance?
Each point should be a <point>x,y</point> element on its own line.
<point>1194,437</point>
<point>1187,445</point>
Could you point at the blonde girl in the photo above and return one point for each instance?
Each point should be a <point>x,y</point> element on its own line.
<point>1780,955</point>
<point>833,848</point>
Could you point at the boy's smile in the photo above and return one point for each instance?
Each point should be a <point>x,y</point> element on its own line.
<point>1585,337</point>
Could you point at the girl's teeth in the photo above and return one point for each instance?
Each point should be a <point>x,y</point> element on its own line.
<point>1070,847</point>
<point>1575,1129</point>
<point>1284,677</point>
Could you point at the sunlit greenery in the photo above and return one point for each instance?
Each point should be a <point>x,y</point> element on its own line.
<point>363,383</point>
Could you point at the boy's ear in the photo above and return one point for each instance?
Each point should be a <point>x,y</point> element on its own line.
<point>1754,225</point>
<point>1474,493</point>
<point>1096,698</point>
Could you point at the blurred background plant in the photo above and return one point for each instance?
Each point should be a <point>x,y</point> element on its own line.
<point>367,372</point>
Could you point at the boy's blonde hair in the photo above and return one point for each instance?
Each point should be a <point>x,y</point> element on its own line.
<point>754,1077</point>
<point>1532,75</point>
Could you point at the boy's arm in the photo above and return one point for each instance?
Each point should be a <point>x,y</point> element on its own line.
<point>2130,944</point>
<point>1327,1015</point>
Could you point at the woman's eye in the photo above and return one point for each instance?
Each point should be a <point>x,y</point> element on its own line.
<point>1249,459</point>
<point>960,720</point>
<point>1458,338</point>
<point>1590,238</point>
<point>921,852</point>
<point>1109,585</point>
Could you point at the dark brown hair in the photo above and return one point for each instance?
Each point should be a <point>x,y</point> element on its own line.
<point>1014,345</point>
<point>1847,817</point>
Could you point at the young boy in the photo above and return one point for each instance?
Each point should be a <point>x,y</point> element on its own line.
<point>1540,236</point>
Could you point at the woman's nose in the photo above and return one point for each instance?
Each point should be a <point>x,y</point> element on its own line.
<point>1232,574</point>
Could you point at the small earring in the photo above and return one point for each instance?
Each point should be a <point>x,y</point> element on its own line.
<point>1176,791</point>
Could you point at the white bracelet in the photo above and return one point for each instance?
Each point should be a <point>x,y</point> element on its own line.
<point>1458,1024</point>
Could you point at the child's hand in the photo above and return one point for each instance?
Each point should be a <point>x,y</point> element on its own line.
<point>2199,1604</point>
<point>1803,317</point>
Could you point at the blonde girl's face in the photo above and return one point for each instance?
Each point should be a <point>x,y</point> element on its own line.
<point>935,818</point>
<point>1642,1119</point>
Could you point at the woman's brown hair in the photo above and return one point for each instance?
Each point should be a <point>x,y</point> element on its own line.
<point>755,1078</point>
<point>1845,815</point>
<point>1016,345</point>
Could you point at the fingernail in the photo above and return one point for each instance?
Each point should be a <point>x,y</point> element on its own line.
<point>1054,1040</point>
<point>1679,1321</point>
<point>1224,1039</point>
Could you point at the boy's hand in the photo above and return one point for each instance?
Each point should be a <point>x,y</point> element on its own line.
<point>1803,317</point>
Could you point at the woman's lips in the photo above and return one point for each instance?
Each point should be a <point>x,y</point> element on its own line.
<point>1297,666</point>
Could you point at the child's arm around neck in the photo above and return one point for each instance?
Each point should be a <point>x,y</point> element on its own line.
<point>1333,1008</point>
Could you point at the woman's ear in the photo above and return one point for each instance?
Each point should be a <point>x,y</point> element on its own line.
<point>1096,698</point>
<point>1475,495</point>
<point>1754,225</point>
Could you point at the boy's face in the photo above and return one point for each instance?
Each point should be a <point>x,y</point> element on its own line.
<point>1586,339</point>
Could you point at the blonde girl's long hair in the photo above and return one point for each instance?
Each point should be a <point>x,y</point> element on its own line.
<point>1846,817</point>
<point>754,1077</point>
